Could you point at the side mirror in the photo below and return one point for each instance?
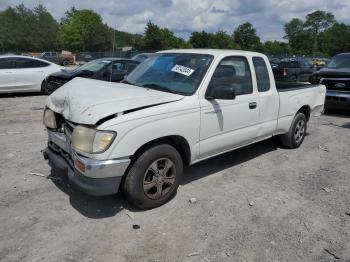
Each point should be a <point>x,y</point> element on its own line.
<point>221,92</point>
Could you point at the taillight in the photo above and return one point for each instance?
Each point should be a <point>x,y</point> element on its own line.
<point>285,72</point>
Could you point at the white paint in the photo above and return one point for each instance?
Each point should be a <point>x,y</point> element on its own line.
<point>210,127</point>
<point>15,80</point>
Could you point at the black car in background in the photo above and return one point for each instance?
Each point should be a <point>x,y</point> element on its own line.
<point>293,70</point>
<point>106,69</point>
<point>336,77</point>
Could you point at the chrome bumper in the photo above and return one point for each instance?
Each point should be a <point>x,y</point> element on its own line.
<point>95,177</point>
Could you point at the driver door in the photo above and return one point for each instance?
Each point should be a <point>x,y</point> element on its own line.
<point>227,124</point>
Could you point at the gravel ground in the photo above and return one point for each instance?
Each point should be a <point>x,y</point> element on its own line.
<point>260,203</point>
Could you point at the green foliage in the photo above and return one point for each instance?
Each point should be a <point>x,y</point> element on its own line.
<point>304,37</point>
<point>276,48</point>
<point>83,30</point>
<point>157,38</point>
<point>335,39</point>
<point>23,29</point>
<point>218,40</point>
<point>245,36</point>
<point>318,21</point>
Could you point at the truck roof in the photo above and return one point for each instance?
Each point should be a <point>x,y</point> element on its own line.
<point>214,52</point>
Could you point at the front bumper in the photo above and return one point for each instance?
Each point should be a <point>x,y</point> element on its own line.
<point>94,177</point>
<point>336,99</point>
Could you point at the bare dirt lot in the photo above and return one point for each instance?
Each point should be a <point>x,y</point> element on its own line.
<point>260,203</point>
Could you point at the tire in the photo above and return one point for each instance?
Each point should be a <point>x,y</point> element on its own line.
<point>293,78</point>
<point>65,63</point>
<point>296,134</point>
<point>45,88</point>
<point>144,187</point>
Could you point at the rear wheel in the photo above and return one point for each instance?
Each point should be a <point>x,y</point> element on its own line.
<point>154,177</point>
<point>296,134</point>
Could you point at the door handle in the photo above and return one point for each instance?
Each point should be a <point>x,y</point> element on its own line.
<point>252,105</point>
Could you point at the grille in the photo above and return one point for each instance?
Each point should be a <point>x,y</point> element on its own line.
<point>55,83</point>
<point>331,84</point>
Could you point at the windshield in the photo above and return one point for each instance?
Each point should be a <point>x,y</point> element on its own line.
<point>94,65</point>
<point>340,61</point>
<point>171,72</point>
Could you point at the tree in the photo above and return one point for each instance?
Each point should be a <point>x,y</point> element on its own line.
<point>83,30</point>
<point>335,39</point>
<point>157,38</point>
<point>304,36</point>
<point>47,29</point>
<point>221,40</point>
<point>23,29</point>
<point>293,28</point>
<point>153,37</point>
<point>201,39</point>
<point>276,48</point>
<point>317,22</point>
<point>245,36</point>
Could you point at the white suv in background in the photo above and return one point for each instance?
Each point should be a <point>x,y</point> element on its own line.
<point>24,74</point>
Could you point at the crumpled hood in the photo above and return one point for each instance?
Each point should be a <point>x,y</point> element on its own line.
<point>86,101</point>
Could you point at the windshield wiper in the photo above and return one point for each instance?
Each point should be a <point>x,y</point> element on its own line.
<point>160,88</point>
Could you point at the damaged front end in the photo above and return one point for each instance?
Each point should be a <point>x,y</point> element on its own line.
<point>66,139</point>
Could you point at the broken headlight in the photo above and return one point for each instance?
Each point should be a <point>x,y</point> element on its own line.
<point>90,140</point>
<point>49,119</point>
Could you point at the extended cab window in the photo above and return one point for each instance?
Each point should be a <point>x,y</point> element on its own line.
<point>262,74</point>
<point>233,72</point>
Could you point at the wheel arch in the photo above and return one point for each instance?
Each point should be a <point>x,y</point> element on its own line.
<point>178,142</point>
<point>306,110</point>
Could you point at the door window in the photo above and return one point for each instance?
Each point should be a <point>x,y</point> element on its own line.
<point>132,66</point>
<point>233,72</point>
<point>262,74</point>
<point>7,63</point>
<point>118,66</point>
<point>29,63</point>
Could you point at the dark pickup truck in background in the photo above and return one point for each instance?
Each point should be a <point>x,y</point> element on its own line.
<point>336,77</point>
<point>64,59</point>
<point>293,71</point>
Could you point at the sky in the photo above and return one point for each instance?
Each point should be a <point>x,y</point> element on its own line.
<point>186,16</point>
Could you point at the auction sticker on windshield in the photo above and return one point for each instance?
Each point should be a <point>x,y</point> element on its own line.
<point>182,70</point>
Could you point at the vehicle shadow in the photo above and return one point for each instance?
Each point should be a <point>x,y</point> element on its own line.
<point>89,206</point>
<point>337,112</point>
<point>108,206</point>
<point>227,160</point>
<point>14,95</point>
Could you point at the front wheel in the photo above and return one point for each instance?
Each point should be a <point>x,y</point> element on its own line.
<point>65,62</point>
<point>154,177</point>
<point>296,134</point>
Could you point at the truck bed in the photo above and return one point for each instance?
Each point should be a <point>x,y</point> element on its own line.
<point>291,86</point>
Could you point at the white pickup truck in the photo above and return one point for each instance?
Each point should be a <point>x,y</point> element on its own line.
<point>177,108</point>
